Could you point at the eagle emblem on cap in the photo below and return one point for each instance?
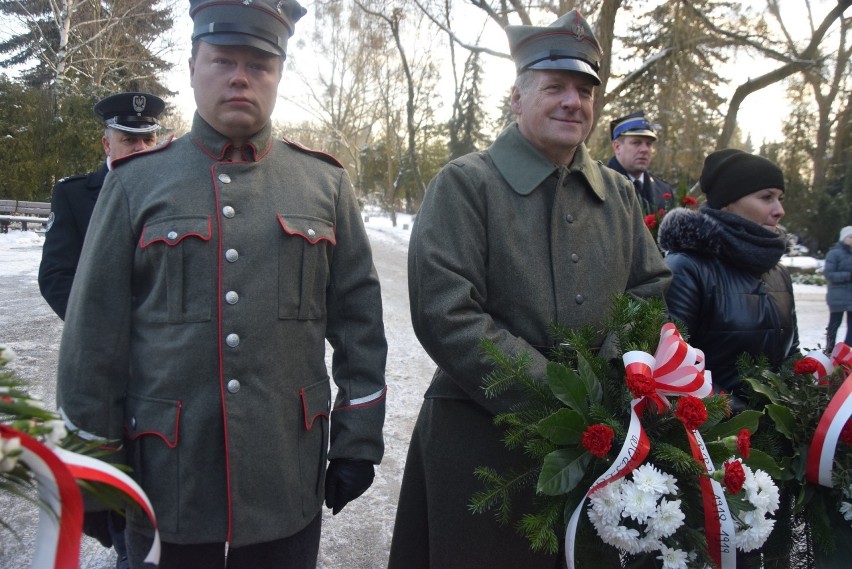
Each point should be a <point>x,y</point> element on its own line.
<point>139,102</point>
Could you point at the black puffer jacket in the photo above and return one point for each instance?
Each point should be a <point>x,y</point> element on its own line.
<point>729,290</point>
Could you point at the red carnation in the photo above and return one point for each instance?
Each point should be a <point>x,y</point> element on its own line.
<point>640,384</point>
<point>650,221</point>
<point>691,411</point>
<point>744,443</point>
<point>734,476</point>
<point>661,212</point>
<point>846,433</point>
<point>805,366</point>
<point>667,196</point>
<point>688,200</point>
<point>597,439</point>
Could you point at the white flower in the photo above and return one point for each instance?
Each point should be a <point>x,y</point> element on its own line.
<point>650,480</point>
<point>9,452</point>
<point>56,434</point>
<point>766,496</point>
<point>638,505</point>
<point>672,558</point>
<point>846,510</point>
<point>6,353</point>
<point>608,503</point>
<point>625,538</point>
<point>668,518</point>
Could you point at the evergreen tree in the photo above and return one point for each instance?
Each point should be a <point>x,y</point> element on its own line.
<point>468,121</point>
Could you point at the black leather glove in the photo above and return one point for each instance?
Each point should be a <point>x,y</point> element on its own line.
<point>345,480</point>
<point>96,525</point>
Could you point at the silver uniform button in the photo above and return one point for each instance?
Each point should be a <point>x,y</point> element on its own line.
<point>311,232</point>
<point>575,257</point>
<point>172,235</point>
<point>231,255</point>
<point>231,297</point>
<point>133,423</point>
<point>233,386</point>
<point>224,178</point>
<point>233,340</point>
<point>579,299</point>
<point>228,211</point>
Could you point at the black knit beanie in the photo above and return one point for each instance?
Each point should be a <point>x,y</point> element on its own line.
<point>731,174</point>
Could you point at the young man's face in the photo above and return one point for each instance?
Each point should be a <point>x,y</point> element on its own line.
<point>118,144</point>
<point>554,111</point>
<point>634,153</point>
<point>235,88</point>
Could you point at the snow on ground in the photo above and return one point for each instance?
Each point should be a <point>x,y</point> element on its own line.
<point>358,537</point>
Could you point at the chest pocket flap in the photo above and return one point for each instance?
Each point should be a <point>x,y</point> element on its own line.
<point>173,230</point>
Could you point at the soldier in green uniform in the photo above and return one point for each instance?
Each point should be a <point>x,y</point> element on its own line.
<point>510,240</point>
<point>216,268</point>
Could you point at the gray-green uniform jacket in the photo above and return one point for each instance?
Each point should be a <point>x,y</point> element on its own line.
<point>196,333</point>
<point>506,244</point>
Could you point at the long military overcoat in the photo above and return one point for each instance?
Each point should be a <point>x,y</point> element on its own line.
<point>505,244</point>
<point>838,273</point>
<point>196,334</point>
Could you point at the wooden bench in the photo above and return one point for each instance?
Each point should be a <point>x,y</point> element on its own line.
<point>23,212</point>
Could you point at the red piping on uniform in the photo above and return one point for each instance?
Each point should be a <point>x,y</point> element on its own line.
<point>311,240</point>
<point>161,435</point>
<point>143,244</point>
<point>309,424</point>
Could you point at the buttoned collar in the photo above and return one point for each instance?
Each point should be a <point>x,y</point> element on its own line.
<point>219,147</point>
<point>525,168</point>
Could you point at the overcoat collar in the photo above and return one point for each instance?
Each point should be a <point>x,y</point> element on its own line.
<point>216,145</point>
<point>525,168</point>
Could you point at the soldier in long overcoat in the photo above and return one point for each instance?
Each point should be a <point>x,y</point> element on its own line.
<point>215,270</point>
<point>508,241</point>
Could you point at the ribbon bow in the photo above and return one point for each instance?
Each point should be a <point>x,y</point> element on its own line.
<point>676,368</point>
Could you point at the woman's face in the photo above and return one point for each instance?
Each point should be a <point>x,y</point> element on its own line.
<point>762,207</point>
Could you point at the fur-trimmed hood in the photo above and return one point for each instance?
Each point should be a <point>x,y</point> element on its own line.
<point>716,233</point>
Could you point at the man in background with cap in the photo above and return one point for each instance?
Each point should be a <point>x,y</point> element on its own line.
<point>216,269</point>
<point>633,139</point>
<point>130,125</point>
<point>509,241</point>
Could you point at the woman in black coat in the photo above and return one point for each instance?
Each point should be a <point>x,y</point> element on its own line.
<point>838,273</point>
<point>728,288</point>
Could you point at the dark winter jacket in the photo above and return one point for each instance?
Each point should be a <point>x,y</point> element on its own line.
<point>838,273</point>
<point>728,289</point>
<point>652,191</point>
<point>70,210</point>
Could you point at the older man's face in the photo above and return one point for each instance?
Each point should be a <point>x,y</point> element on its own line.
<point>554,111</point>
<point>118,143</point>
<point>235,88</point>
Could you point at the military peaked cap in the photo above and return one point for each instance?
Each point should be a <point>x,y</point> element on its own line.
<point>634,124</point>
<point>131,112</point>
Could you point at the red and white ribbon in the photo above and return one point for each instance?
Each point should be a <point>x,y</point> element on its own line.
<point>719,527</point>
<point>676,368</point>
<point>824,443</point>
<point>60,522</point>
<point>60,525</point>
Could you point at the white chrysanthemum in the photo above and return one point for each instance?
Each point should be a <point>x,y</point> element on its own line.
<point>846,510</point>
<point>766,497</point>
<point>673,558</point>
<point>608,503</point>
<point>650,480</point>
<point>668,519</point>
<point>9,447</point>
<point>624,538</point>
<point>648,544</point>
<point>638,505</point>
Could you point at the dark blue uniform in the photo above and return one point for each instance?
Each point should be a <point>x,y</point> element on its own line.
<point>652,190</point>
<point>71,208</point>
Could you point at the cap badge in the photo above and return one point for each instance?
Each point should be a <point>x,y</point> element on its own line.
<point>139,103</point>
